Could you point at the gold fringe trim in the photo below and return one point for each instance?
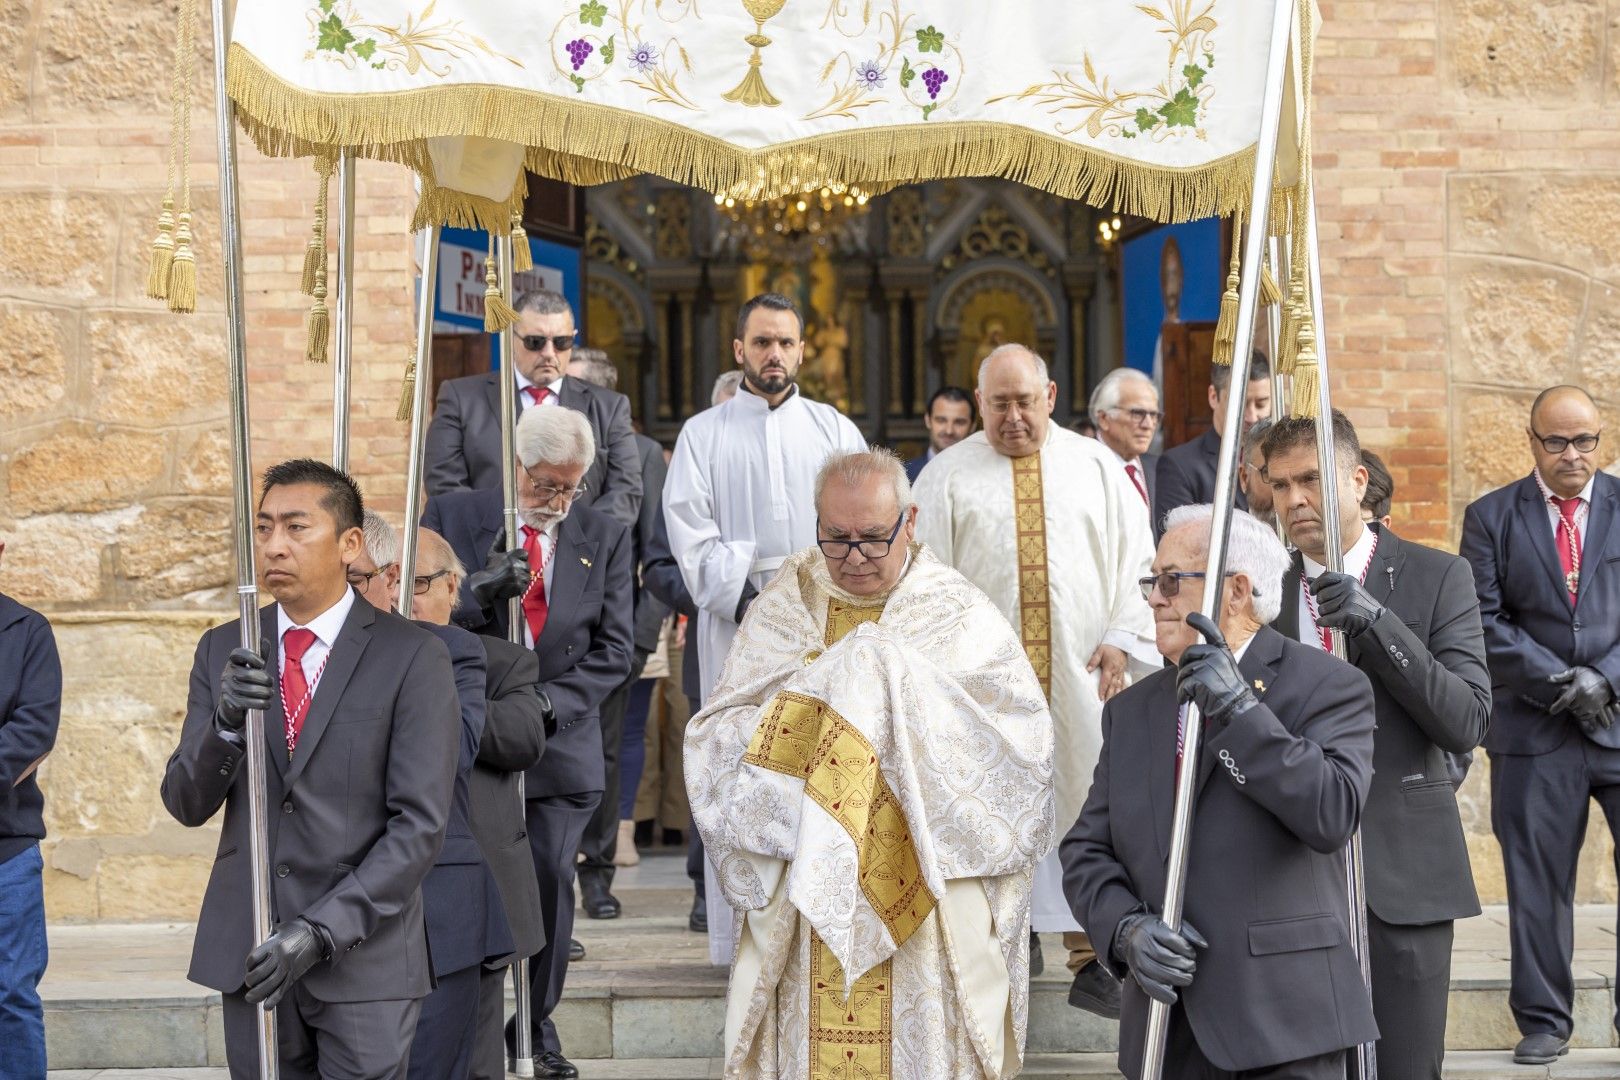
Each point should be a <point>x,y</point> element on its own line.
<point>407,391</point>
<point>588,144</point>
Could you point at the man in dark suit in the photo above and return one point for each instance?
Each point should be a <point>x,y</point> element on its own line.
<point>1268,983</point>
<point>1187,472</point>
<point>361,763</point>
<point>574,575</point>
<point>464,440</point>
<point>950,419</point>
<point>600,844</point>
<point>1546,559</point>
<point>1411,623</point>
<point>1125,408</point>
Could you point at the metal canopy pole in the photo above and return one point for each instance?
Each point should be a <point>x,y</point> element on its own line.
<point>247,588</point>
<point>1225,482</point>
<point>419,407</point>
<point>523,1038</point>
<point>343,354</point>
<point>1366,1059</point>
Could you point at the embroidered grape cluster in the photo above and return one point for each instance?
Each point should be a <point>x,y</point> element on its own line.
<point>933,78</point>
<point>578,51</point>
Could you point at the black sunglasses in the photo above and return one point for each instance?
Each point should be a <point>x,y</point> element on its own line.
<point>1169,583</point>
<point>537,342</point>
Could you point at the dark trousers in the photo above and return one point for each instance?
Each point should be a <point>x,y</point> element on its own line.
<point>1411,983</point>
<point>1183,1060</point>
<point>633,746</point>
<point>23,954</point>
<point>556,823</point>
<point>601,839</point>
<point>324,1040</point>
<point>1539,807</point>
<point>489,1043</point>
<point>443,1047</point>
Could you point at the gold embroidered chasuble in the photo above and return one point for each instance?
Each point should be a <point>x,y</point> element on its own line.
<point>860,780</point>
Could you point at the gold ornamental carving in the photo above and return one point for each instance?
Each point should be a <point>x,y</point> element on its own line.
<point>752,89</point>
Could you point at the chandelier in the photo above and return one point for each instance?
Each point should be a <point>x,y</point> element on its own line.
<point>786,227</point>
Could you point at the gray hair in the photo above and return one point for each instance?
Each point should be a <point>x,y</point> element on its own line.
<point>1255,436</point>
<point>1252,550</point>
<point>1041,372</point>
<point>543,302</point>
<point>382,541</point>
<point>855,467</point>
<point>554,435</point>
<point>598,368</point>
<point>1108,391</point>
<point>726,385</point>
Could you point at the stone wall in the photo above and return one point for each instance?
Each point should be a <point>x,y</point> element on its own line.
<point>1469,192</point>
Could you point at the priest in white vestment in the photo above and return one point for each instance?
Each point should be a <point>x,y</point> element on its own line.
<point>1046,523</point>
<point>738,497</point>
<point>872,778</point>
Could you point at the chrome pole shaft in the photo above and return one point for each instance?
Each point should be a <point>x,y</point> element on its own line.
<point>1225,484</point>
<point>419,408</point>
<point>247,589</point>
<point>343,354</point>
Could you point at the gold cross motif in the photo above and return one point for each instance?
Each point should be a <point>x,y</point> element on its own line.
<point>1260,685</point>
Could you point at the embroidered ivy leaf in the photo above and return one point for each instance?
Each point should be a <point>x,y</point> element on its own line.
<point>592,12</point>
<point>333,35</point>
<point>326,5</point>
<point>378,66</point>
<point>607,51</point>
<point>930,40</point>
<point>1127,133</point>
<point>1195,75</point>
<point>1181,110</point>
<point>366,48</point>
<point>907,73</point>
<point>1146,120</point>
<point>579,83</point>
<point>930,107</point>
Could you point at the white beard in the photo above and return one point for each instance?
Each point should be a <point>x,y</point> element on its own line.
<point>540,520</point>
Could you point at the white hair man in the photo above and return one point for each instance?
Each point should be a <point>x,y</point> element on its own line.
<point>870,665</point>
<point>1125,408</point>
<point>725,387</point>
<point>375,571</point>
<point>1261,981</point>
<point>1062,567</point>
<point>738,499</point>
<point>573,573</point>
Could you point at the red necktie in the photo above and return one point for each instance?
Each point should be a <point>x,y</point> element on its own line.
<point>295,693</point>
<point>1569,543</point>
<point>538,394</point>
<point>1136,478</point>
<point>534,601</point>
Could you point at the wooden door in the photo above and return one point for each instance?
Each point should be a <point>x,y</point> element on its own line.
<point>1188,347</point>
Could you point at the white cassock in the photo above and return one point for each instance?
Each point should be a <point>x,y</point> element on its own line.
<point>873,779</point>
<point>738,500</point>
<point>1058,541</point>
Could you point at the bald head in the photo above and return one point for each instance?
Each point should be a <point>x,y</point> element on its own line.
<point>1016,397</point>
<point>1561,397</point>
<point>436,560</point>
<point>1564,430</point>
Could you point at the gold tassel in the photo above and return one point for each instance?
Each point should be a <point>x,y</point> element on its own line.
<point>1293,310</point>
<point>1270,291</point>
<point>1226,325</point>
<point>1307,375</point>
<point>522,257</point>
<point>498,314</point>
<point>183,269</point>
<point>407,391</point>
<point>315,250</point>
<point>157,272</point>
<point>319,324</point>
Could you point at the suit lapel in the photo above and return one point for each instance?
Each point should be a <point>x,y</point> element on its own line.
<point>492,396</point>
<point>1534,522</point>
<point>275,721</point>
<point>572,395</point>
<point>571,565</point>
<point>1163,714</point>
<point>1380,583</point>
<point>340,665</point>
<point>1287,622</point>
<point>1597,533</point>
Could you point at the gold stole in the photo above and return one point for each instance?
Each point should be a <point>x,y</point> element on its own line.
<point>1034,588</point>
<point>801,736</point>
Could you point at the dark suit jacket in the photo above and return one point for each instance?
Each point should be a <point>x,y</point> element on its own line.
<point>584,649</point>
<point>1432,692</point>
<point>661,576</point>
<point>1280,791</point>
<point>355,818</point>
<point>914,467</point>
<point>1186,477</point>
<point>30,711</point>
<point>1531,630</point>
<point>650,610</point>
<point>464,442</point>
<point>465,921</point>
<point>514,739</point>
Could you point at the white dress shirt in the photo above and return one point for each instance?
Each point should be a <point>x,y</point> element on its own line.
<point>1139,480</point>
<point>1355,564</point>
<point>326,627</point>
<point>523,384</point>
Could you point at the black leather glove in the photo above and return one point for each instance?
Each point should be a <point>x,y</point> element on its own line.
<point>1344,603</point>
<point>1159,958</point>
<point>244,685</point>
<point>1208,675</point>
<point>1587,694</point>
<point>505,574</point>
<point>548,712</point>
<point>282,960</point>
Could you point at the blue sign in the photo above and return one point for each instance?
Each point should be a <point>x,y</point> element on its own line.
<point>462,255</point>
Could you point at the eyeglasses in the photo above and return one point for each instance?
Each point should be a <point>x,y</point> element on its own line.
<point>1141,417</point>
<point>1169,583</point>
<point>1000,407</point>
<point>548,492</point>
<point>1557,444</point>
<point>839,550</point>
<point>423,582</point>
<point>361,579</point>
<point>537,343</point>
